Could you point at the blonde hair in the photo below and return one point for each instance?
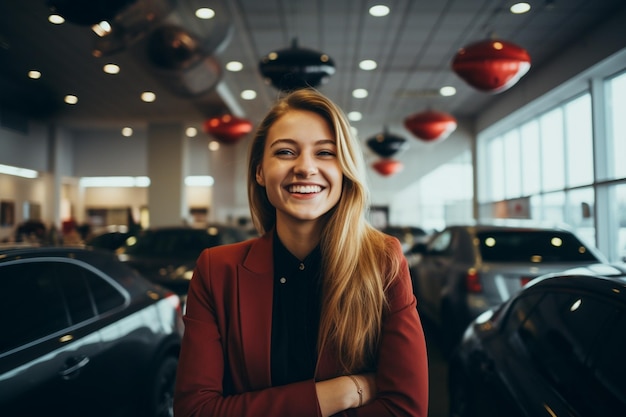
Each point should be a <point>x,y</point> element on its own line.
<point>356,266</point>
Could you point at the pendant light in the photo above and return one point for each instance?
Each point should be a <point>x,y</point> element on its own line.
<point>294,68</point>
<point>227,129</point>
<point>430,125</point>
<point>491,65</point>
<point>386,144</point>
<point>387,167</point>
<point>89,13</point>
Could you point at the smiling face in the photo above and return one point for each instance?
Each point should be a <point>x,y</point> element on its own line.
<point>300,169</point>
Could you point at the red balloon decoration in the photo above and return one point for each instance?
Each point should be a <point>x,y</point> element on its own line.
<point>227,129</point>
<point>430,125</point>
<point>491,65</point>
<point>387,167</point>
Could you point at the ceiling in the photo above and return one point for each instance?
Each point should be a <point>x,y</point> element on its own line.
<point>413,46</point>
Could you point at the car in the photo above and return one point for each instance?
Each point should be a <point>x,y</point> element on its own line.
<point>167,255</point>
<point>84,335</point>
<point>463,270</point>
<point>407,235</point>
<point>554,349</point>
<point>110,240</point>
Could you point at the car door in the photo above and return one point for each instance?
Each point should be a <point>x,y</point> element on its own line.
<point>46,358</point>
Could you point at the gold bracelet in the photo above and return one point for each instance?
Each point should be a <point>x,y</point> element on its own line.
<point>359,390</point>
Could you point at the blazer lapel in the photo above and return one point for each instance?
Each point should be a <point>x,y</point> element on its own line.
<point>256,276</point>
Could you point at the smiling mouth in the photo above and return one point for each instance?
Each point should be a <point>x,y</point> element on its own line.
<point>304,189</point>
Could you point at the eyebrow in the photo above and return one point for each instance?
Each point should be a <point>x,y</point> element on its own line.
<point>292,141</point>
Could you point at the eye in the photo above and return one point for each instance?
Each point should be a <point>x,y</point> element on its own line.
<point>284,152</point>
<point>327,152</point>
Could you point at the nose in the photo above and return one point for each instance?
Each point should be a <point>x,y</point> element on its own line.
<point>305,166</point>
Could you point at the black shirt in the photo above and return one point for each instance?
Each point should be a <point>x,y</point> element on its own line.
<point>295,315</point>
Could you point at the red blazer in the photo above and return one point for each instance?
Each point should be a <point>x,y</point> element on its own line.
<point>224,364</point>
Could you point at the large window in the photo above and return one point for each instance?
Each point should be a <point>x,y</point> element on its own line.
<point>556,167</point>
<point>616,125</point>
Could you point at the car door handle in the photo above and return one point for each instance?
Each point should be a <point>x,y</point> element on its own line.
<point>73,365</point>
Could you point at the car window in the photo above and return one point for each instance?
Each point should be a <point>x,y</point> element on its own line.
<point>532,246</point>
<point>42,298</point>
<point>558,336</point>
<point>172,243</point>
<point>441,243</point>
<point>86,293</point>
<point>609,368</point>
<point>32,304</point>
<point>519,311</point>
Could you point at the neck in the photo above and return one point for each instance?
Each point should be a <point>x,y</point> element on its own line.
<point>300,240</point>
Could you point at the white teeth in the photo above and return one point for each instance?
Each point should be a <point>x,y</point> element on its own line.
<point>305,189</point>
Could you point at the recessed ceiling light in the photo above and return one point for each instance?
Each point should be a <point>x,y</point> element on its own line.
<point>34,74</point>
<point>191,132</point>
<point>234,66</point>
<point>447,91</point>
<point>111,69</point>
<point>214,145</point>
<point>519,8</point>
<point>359,93</point>
<point>71,99</point>
<point>368,64</point>
<point>248,94</point>
<point>379,10</point>
<point>205,13</point>
<point>127,132</point>
<point>355,116</point>
<point>56,19</point>
<point>148,96</point>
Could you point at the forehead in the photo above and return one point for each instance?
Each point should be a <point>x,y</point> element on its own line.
<point>300,124</point>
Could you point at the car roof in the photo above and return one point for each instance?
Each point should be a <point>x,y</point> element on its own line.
<point>607,279</point>
<point>514,225</point>
<point>101,259</point>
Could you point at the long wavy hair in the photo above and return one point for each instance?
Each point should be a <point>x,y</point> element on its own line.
<point>356,267</point>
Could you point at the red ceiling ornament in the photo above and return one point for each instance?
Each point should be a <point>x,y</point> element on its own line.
<point>227,129</point>
<point>491,65</point>
<point>387,167</point>
<point>430,125</point>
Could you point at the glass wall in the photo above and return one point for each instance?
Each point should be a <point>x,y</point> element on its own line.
<point>552,169</point>
<point>451,203</point>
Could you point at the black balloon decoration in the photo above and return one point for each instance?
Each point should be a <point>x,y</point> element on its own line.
<point>88,13</point>
<point>294,68</point>
<point>387,144</point>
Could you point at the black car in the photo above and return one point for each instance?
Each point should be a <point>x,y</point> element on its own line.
<point>84,335</point>
<point>464,270</point>
<point>109,240</point>
<point>554,349</point>
<point>167,255</point>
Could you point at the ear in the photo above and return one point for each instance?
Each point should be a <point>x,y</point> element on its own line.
<point>260,179</point>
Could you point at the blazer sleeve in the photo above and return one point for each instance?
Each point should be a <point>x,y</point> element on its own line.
<point>402,369</point>
<point>204,368</point>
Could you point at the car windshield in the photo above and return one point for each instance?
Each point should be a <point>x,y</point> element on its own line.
<point>172,243</point>
<point>532,246</point>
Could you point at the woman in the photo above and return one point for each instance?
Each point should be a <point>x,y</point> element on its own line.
<point>317,316</point>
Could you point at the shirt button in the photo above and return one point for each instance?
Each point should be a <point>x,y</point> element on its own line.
<point>283,280</point>
<point>301,267</point>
